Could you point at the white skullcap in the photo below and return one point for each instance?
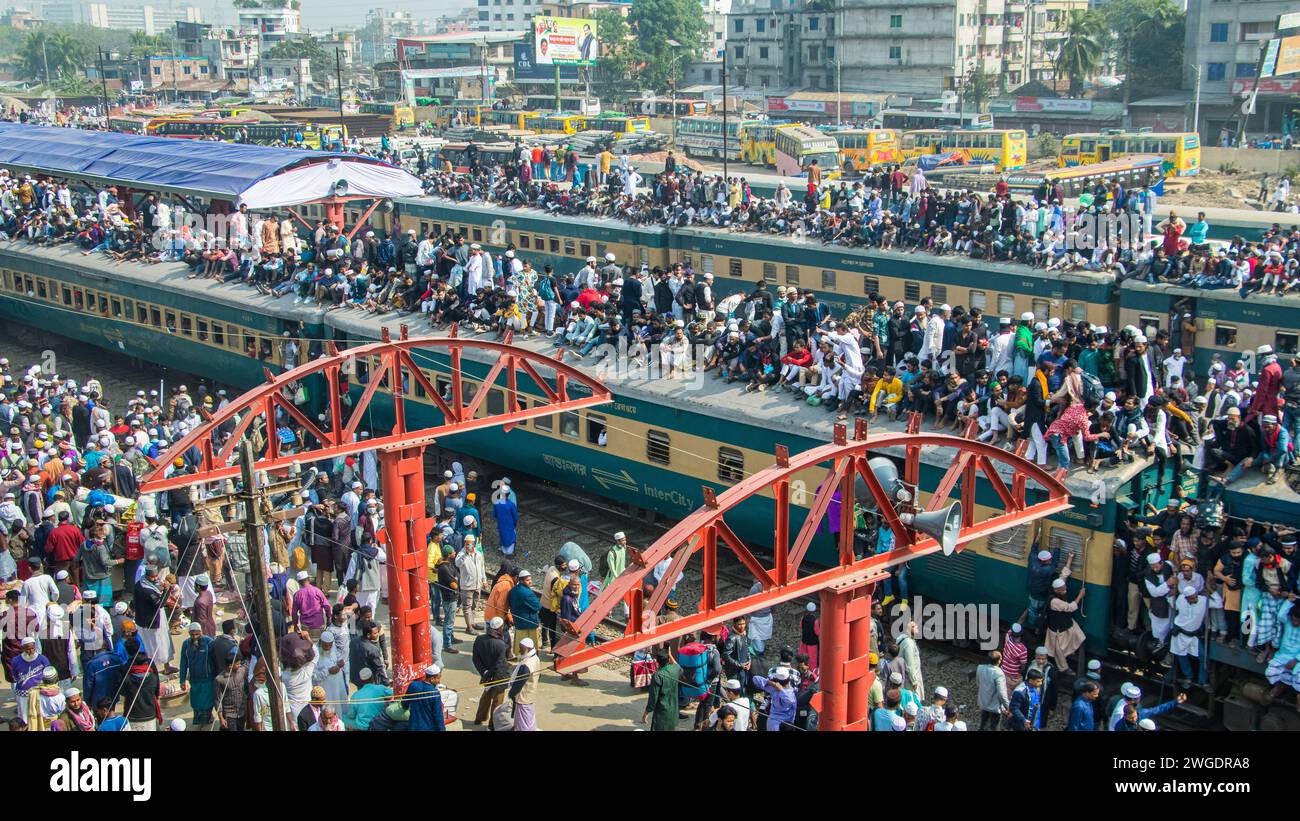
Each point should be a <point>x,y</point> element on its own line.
<point>61,575</point>
<point>574,564</point>
<point>432,670</point>
<point>1016,628</point>
<point>302,576</point>
<point>899,722</point>
<point>1153,559</point>
<point>177,725</point>
<point>1094,664</point>
<point>941,692</point>
<point>781,674</point>
<point>1188,590</point>
<point>366,674</point>
<point>810,607</point>
<point>1147,724</point>
<point>1130,690</point>
<point>447,474</point>
<point>527,643</point>
<point>911,709</point>
<point>70,692</point>
<point>1027,316</point>
<point>194,627</point>
<point>455,486</point>
<point>1044,555</point>
<point>525,574</point>
<point>497,623</point>
<point>1058,584</point>
<point>895,678</point>
<point>119,608</point>
<point>327,636</point>
<point>620,535</point>
<point>731,684</point>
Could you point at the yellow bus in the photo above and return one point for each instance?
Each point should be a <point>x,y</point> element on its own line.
<point>798,145</point>
<point>471,113</point>
<point>1181,149</point>
<point>227,112</point>
<point>619,123</point>
<point>128,125</point>
<point>1006,148</point>
<point>758,143</point>
<point>560,123</point>
<point>862,148</point>
<point>517,120</point>
<point>403,115</point>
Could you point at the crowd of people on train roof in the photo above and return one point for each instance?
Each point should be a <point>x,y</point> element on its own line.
<point>1111,394</point>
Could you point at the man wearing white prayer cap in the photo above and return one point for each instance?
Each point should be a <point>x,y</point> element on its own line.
<point>523,685</point>
<point>331,668</point>
<point>424,701</point>
<point>1189,612</point>
<point>491,653</point>
<point>781,696</point>
<point>1064,636</point>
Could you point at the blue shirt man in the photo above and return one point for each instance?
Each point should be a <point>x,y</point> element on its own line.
<point>783,697</point>
<point>424,702</point>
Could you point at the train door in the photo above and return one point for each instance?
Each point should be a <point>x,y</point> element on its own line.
<point>1103,152</point>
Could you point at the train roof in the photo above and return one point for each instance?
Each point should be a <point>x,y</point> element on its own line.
<point>170,276</point>
<point>713,398</point>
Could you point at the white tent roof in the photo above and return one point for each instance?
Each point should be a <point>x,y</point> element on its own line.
<point>317,181</point>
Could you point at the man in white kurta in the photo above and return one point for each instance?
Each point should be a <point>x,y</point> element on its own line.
<point>1189,619</point>
<point>331,669</point>
<point>1284,667</point>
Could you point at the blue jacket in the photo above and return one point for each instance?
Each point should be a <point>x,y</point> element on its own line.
<point>194,660</point>
<point>1081,716</point>
<point>102,676</point>
<point>524,607</point>
<point>425,704</point>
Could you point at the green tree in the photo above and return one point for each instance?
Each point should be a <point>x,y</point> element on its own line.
<point>1082,49</point>
<point>46,56</point>
<point>653,24</point>
<point>612,75</point>
<point>150,45</point>
<point>322,61</point>
<point>978,88</point>
<point>76,85</point>
<point>1147,36</point>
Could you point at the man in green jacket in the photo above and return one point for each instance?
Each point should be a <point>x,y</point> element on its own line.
<point>662,702</point>
<point>614,563</point>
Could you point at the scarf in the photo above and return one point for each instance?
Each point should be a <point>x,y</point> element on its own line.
<point>83,720</point>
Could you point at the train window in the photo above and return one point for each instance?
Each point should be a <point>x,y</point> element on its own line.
<point>250,345</point>
<point>769,272</point>
<point>586,250</point>
<point>939,293</point>
<point>129,310</point>
<point>8,280</point>
<point>870,285</point>
<point>67,296</point>
<point>525,241</point>
<point>735,267</point>
<point>539,243</point>
<point>478,234</point>
<point>979,299</point>
<point>1150,324</point>
<point>828,279</point>
<point>658,447</point>
<point>1078,311</point>
<point>443,384</point>
<point>544,424</point>
<point>155,317</point>
<point>187,325</point>
<point>496,403</point>
<point>424,228</point>
<point>570,248</point>
<point>1285,343</point>
<point>218,333</point>
<point>103,305</point>
<point>597,432</point>
<point>569,424</point>
<point>731,465</point>
<point>171,322</point>
<point>117,307</point>
<point>912,291</point>
<point>1006,305</point>
<point>686,260</point>
<point>1066,541</point>
<point>601,250</point>
<point>1011,542</point>
<point>792,275</point>
<point>706,263</point>
<point>555,245</point>
<point>1042,309</point>
<point>78,300</point>
<point>1225,336</point>
<point>203,330</point>
<point>40,288</point>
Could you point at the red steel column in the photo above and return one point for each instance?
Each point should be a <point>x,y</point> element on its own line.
<point>846,672</point>
<point>406,528</point>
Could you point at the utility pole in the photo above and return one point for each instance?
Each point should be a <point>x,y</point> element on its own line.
<point>1196,106</point>
<point>103,83</point>
<point>1248,107</point>
<point>839,75</point>
<point>725,138</point>
<point>338,75</point>
<point>261,595</point>
<point>45,61</point>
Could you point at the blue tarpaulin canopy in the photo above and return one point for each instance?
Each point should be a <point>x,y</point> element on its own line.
<point>200,168</point>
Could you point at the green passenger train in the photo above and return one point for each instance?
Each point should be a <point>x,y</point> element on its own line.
<point>655,446</point>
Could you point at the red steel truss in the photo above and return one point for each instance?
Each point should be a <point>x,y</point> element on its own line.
<point>401,451</point>
<point>845,589</point>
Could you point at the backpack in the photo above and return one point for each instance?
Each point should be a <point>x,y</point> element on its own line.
<point>1093,390</point>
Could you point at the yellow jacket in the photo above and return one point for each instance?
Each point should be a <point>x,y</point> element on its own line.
<point>890,389</point>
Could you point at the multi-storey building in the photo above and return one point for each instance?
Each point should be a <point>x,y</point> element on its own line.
<point>269,25</point>
<point>231,55</point>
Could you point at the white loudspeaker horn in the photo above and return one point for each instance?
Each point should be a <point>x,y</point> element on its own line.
<point>944,525</point>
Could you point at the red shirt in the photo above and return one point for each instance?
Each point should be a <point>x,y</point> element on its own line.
<point>63,542</point>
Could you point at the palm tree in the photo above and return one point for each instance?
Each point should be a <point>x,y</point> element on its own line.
<point>1081,50</point>
<point>1135,23</point>
<point>47,56</point>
